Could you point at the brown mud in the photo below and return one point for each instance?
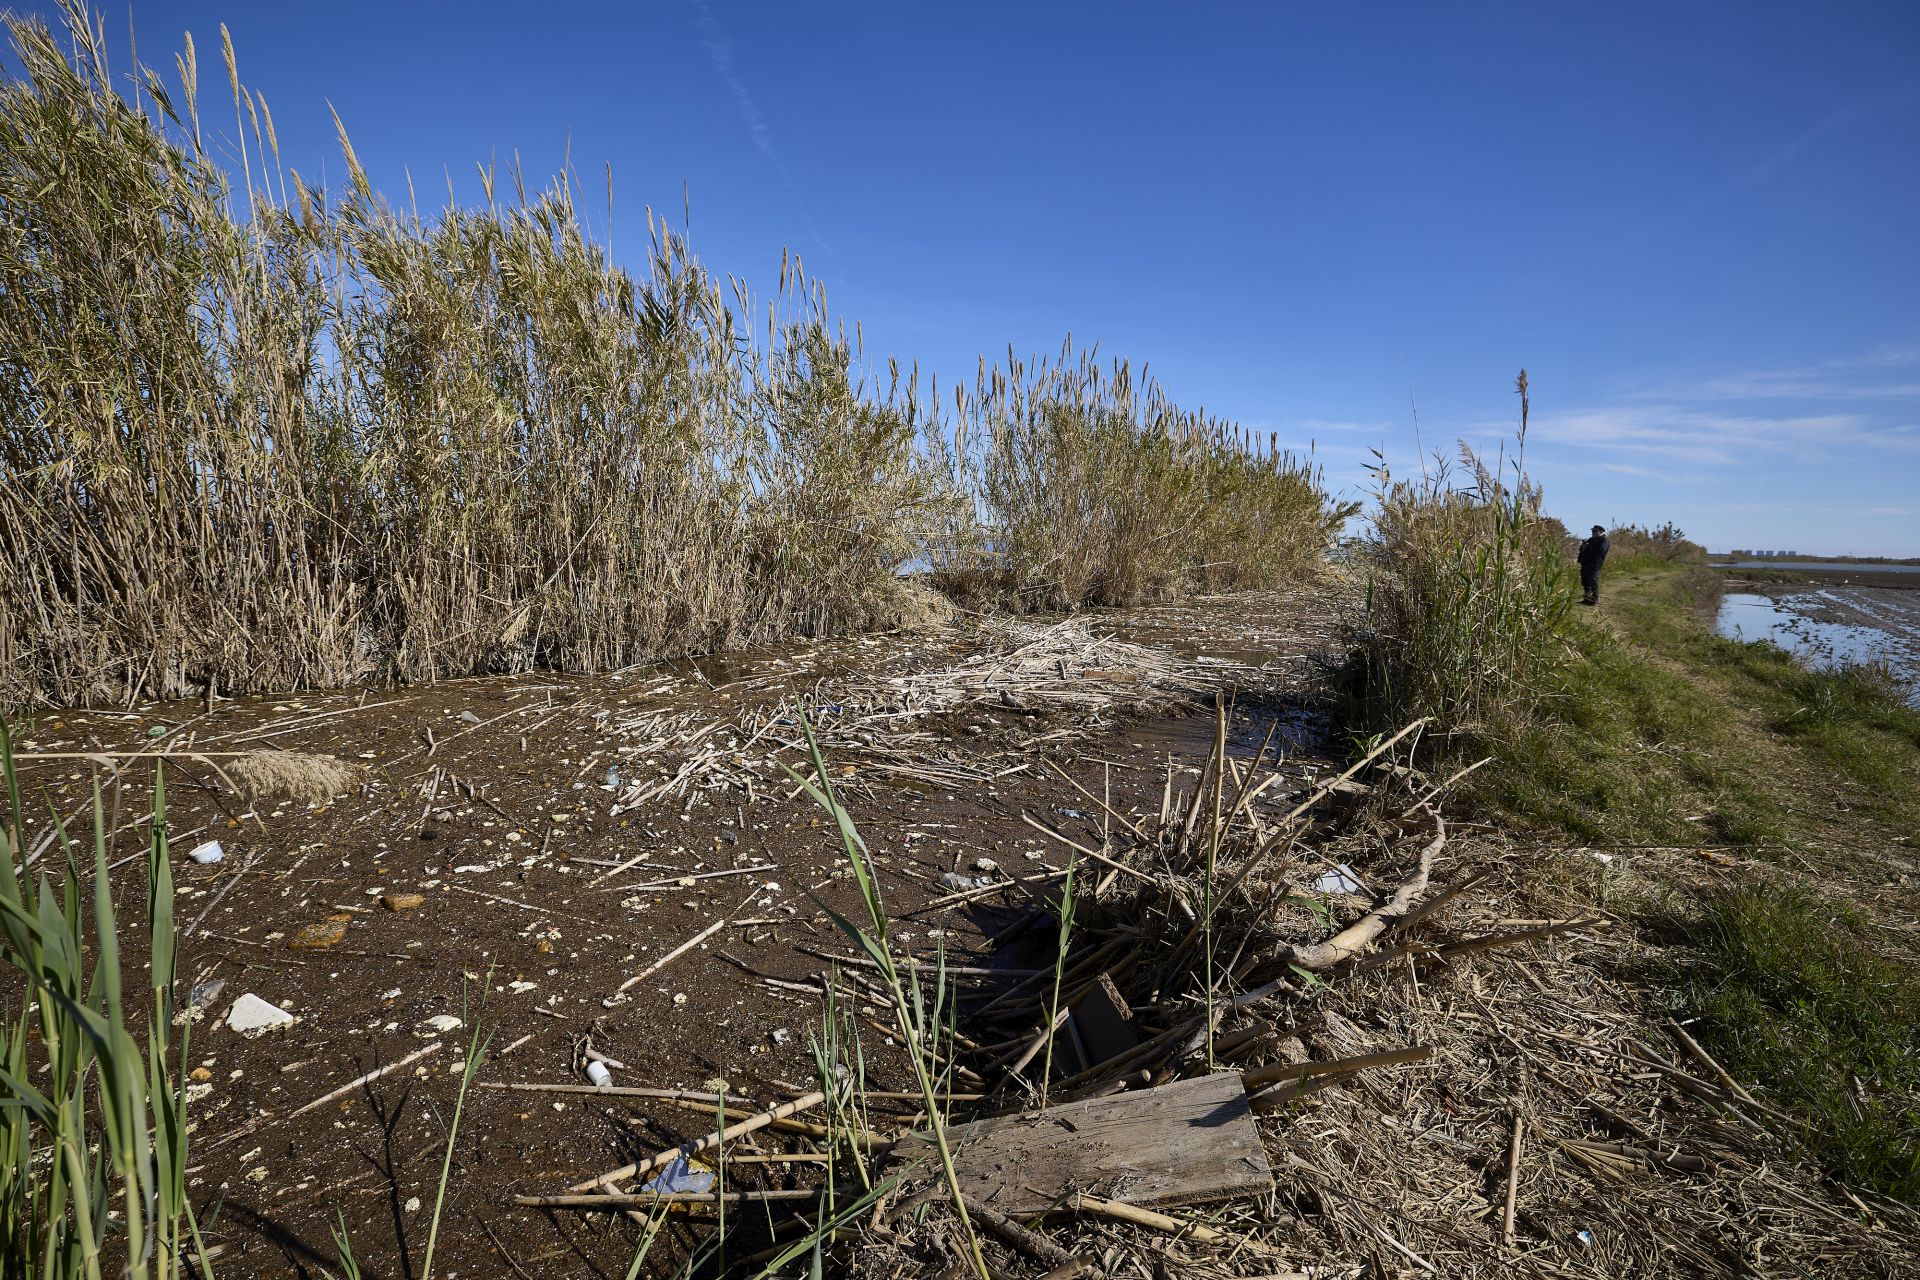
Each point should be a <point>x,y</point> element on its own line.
<point>1543,1118</point>
<point>490,799</point>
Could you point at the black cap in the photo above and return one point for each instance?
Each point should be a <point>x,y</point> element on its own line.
<point>1599,528</point>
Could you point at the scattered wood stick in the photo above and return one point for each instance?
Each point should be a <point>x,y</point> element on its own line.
<point>1121,1211</point>
<point>497,1054</point>
<point>1641,1155</point>
<point>261,1121</point>
<point>672,881</point>
<point>1486,942</point>
<point>1084,851</point>
<point>1328,788</point>
<point>621,1091</point>
<point>1351,940</point>
<point>620,1201</point>
<point>1692,1046</point>
<point>431,1047</point>
<point>524,906</point>
<point>1513,1182</point>
<point>697,1145</point>
<point>1032,1243</point>
<point>1437,901</point>
<point>1491,941</point>
<point>1434,792</point>
<point>686,946</point>
<point>985,891</point>
<point>1260,1077</point>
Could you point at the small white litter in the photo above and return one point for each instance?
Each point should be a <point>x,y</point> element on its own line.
<point>440,1024</point>
<point>207,853</point>
<point>1340,880</point>
<point>251,1016</point>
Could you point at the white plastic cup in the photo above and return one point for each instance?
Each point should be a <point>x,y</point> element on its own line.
<point>598,1073</point>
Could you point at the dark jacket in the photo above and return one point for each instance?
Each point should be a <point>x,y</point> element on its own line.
<point>1593,552</point>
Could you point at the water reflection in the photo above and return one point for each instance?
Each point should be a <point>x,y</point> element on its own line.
<point>1820,643</point>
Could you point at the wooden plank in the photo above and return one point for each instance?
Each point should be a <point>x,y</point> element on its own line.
<point>1183,1143</point>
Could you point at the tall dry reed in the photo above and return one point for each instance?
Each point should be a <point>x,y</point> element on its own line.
<point>1093,487</point>
<point>1467,600</point>
<point>257,435</point>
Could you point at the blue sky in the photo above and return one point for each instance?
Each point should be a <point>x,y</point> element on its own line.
<point>1693,223</point>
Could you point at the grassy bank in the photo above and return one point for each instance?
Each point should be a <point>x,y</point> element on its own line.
<point>1770,816</point>
<point>257,434</point>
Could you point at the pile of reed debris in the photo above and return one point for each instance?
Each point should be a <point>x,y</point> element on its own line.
<point>929,720</point>
<point>1314,1034</point>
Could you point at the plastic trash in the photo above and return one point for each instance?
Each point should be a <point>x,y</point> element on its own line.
<point>598,1073</point>
<point>207,853</point>
<point>955,881</point>
<point>612,779</point>
<point>1339,880</point>
<point>680,1176</point>
<point>205,993</point>
<point>467,717</point>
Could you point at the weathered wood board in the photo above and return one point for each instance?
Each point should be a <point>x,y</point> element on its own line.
<point>1182,1143</point>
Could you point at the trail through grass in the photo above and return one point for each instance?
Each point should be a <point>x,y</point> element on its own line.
<point>1688,753</point>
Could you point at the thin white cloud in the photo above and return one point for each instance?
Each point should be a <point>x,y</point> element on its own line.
<point>1857,404</point>
<point>719,51</point>
<point>1322,427</point>
<point>1705,436</point>
<point>1890,372</point>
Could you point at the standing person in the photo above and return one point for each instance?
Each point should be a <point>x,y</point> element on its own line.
<point>1593,554</point>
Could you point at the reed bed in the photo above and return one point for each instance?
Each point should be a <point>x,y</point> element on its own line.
<point>902,724</point>
<point>1468,597</point>
<point>1093,487</point>
<point>260,435</point>
<point>1666,544</point>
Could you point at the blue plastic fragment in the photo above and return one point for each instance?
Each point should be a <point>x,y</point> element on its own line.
<point>679,1176</point>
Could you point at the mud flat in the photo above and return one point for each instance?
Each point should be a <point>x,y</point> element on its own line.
<point>511,852</point>
<point>1830,622</point>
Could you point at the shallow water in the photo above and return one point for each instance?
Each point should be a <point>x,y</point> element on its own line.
<point>1823,566</point>
<point>1830,628</point>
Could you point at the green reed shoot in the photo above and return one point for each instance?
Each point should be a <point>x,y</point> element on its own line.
<point>1067,905</point>
<point>477,1042</point>
<point>72,1162</point>
<point>918,1037</point>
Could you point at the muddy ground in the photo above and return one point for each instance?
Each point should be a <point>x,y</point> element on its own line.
<point>492,800</point>
<point>1841,616</point>
<point>565,837</point>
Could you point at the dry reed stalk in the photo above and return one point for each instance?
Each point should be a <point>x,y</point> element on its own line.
<point>306,440</point>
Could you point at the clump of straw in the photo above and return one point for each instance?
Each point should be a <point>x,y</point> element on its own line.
<point>310,779</point>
